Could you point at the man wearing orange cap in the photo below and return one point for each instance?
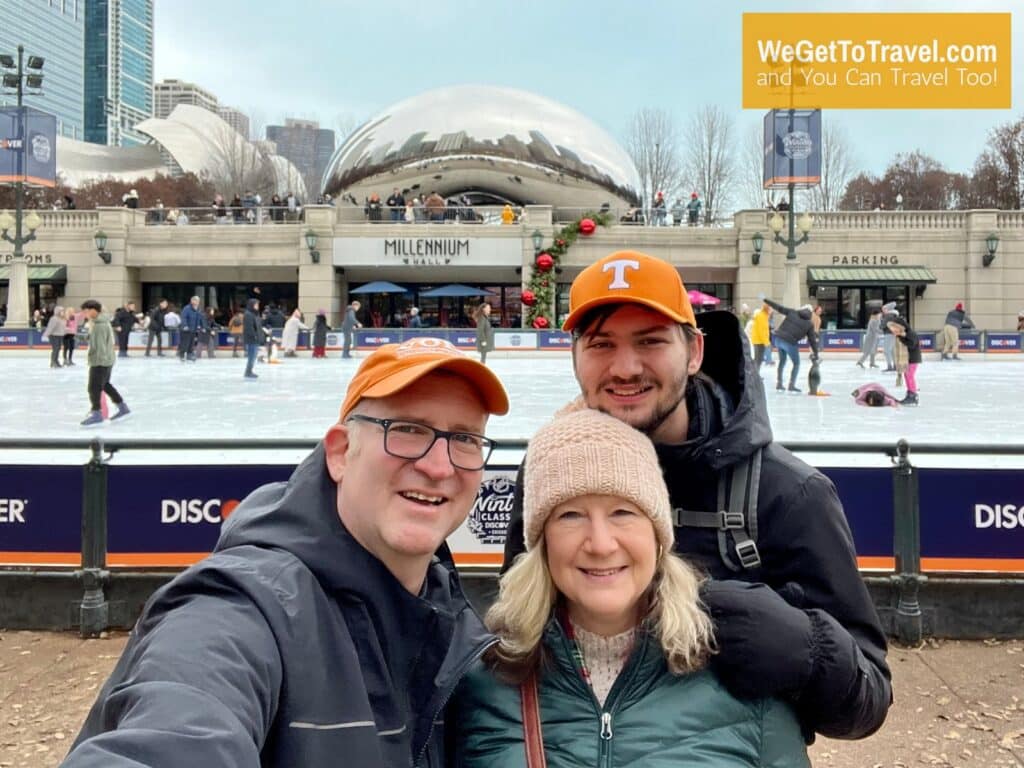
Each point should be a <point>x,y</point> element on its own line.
<point>792,615</point>
<point>328,626</point>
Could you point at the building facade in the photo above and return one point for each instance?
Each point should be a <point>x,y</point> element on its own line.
<point>926,261</point>
<point>118,70</point>
<point>167,94</point>
<point>308,146</point>
<point>53,29</point>
<point>236,119</point>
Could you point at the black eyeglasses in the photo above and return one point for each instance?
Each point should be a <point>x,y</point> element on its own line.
<point>412,440</point>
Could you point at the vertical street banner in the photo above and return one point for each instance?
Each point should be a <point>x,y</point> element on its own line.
<point>792,148</point>
<point>28,146</point>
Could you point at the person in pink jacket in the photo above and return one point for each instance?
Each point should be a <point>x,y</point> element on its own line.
<point>874,395</point>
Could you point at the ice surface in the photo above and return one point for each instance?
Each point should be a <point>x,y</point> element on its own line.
<point>967,402</point>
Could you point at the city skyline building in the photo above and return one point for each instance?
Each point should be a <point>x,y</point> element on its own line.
<point>118,91</point>
<point>235,118</point>
<point>308,146</point>
<point>169,93</point>
<point>54,30</point>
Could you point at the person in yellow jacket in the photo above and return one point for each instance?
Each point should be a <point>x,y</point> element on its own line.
<point>760,334</point>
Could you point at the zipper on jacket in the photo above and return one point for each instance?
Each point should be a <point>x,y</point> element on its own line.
<point>477,653</point>
<point>606,726</point>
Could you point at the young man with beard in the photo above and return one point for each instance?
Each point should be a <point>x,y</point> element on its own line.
<point>328,626</point>
<point>793,617</point>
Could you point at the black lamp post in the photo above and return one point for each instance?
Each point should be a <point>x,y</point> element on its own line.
<point>17,294</point>
<point>758,240</point>
<point>314,254</point>
<point>991,242</point>
<point>538,241</point>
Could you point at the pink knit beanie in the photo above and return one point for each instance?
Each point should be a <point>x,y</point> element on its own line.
<point>585,452</point>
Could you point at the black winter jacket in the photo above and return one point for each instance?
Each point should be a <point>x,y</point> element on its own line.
<point>252,326</point>
<point>290,645</point>
<point>796,325</point>
<point>803,537</point>
<point>910,340</point>
<point>156,319</point>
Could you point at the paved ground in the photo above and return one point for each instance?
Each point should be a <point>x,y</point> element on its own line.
<point>957,703</point>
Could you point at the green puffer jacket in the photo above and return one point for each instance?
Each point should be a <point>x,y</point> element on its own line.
<point>101,342</point>
<point>651,718</point>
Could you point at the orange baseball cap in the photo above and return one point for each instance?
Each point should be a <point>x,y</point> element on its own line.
<point>393,367</point>
<point>629,277</point>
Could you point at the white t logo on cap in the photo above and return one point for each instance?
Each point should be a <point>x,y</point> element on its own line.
<point>619,267</point>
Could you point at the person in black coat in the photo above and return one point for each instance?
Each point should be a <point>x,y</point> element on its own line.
<point>123,322</point>
<point>252,336</point>
<point>905,335</point>
<point>793,617</point>
<point>320,329</point>
<point>798,324</point>
<point>156,328</point>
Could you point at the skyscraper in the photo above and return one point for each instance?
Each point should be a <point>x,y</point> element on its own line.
<point>307,145</point>
<point>167,94</point>
<point>118,70</point>
<point>236,119</point>
<point>53,30</point>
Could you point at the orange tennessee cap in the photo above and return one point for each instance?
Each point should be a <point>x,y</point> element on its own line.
<point>629,277</point>
<point>393,367</point>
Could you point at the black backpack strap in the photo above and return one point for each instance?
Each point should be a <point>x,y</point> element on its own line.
<point>736,520</point>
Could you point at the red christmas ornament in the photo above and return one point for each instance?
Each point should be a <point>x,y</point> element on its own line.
<point>587,227</point>
<point>540,322</point>
<point>528,298</point>
<point>545,262</point>
<point>560,243</point>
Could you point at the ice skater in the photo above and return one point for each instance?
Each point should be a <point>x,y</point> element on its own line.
<point>874,395</point>
<point>252,336</point>
<point>796,326</point>
<point>101,363</point>
<point>348,328</point>
<point>761,334</point>
<point>902,331</point>
<point>870,348</point>
<point>956,321</point>
<point>320,329</point>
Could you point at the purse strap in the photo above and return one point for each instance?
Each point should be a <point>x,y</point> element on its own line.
<point>533,740</point>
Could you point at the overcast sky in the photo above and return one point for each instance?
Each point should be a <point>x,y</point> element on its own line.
<point>341,61</point>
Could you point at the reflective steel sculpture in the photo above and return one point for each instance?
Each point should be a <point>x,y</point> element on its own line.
<point>493,145</point>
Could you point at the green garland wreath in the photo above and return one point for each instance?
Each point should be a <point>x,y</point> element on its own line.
<point>542,283</point>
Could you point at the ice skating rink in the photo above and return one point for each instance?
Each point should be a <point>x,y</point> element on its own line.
<point>968,402</point>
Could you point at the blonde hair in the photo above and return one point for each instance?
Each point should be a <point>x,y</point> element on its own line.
<point>527,596</point>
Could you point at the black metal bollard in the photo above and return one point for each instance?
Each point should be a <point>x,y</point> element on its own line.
<point>94,613</point>
<point>907,547</point>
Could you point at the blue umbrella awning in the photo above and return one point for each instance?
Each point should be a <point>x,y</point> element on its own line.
<point>379,286</point>
<point>455,289</point>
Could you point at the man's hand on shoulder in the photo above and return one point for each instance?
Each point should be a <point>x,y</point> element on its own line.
<point>764,642</point>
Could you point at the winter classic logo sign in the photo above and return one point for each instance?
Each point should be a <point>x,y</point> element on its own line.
<point>492,511</point>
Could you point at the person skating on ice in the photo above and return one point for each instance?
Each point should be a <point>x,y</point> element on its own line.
<point>906,336</point>
<point>798,324</point>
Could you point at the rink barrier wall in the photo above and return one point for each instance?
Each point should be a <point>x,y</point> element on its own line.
<point>525,339</point>
<point>100,524</point>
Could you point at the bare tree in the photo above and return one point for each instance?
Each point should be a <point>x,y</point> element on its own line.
<point>750,173</point>
<point>652,141</point>
<point>344,124</point>
<point>237,165</point>
<point>837,169</point>
<point>710,162</point>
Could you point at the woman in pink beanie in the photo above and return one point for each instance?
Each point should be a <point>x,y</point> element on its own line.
<point>603,642</point>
